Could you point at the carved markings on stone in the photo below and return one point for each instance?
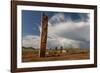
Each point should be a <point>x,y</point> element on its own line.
<point>44,31</point>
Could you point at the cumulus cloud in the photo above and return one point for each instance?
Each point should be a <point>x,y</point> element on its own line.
<point>31,41</point>
<point>63,31</point>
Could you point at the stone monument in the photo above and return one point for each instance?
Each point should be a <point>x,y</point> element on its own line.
<point>44,31</point>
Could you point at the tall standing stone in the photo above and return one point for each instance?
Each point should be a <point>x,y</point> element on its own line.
<point>44,31</point>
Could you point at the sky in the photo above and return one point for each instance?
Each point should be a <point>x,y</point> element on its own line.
<point>70,30</point>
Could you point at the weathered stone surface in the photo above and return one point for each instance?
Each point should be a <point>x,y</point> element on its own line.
<point>44,31</point>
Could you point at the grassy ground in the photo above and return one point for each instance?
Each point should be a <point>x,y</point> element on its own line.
<point>29,55</point>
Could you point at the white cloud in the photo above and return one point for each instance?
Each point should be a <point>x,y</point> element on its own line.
<point>31,41</point>
<point>65,32</point>
<point>57,18</point>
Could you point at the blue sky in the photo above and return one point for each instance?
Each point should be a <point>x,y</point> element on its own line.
<point>31,21</point>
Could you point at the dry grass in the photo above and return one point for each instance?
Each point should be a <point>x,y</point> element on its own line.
<point>29,55</point>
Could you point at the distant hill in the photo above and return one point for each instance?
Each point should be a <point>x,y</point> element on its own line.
<point>28,47</point>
